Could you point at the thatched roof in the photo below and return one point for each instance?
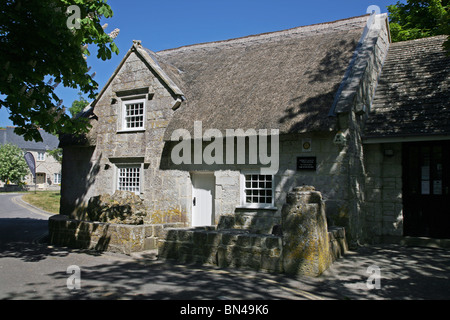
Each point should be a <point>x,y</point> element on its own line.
<point>284,80</point>
<point>413,94</point>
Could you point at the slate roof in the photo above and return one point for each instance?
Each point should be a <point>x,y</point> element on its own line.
<point>412,96</point>
<point>284,80</point>
<point>49,142</point>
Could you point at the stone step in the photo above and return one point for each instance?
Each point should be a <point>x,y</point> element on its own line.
<point>145,255</point>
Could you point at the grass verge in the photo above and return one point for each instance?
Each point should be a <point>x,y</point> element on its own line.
<point>45,200</point>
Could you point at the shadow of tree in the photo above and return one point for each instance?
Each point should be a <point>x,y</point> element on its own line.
<point>29,252</point>
<point>412,94</point>
<point>308,112</point>
<point>151,280</point>
<point>311,109</point>
<point>16,236</point>
<point>406,273</point>
<point>79,160</point>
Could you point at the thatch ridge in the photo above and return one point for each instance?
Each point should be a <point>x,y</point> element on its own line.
<point>303,30</point>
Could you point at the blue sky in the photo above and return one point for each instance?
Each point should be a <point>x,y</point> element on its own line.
<point>169,24</point>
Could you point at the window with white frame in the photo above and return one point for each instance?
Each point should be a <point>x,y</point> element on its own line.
<point>257,190</point>
<point>129,178</point>
<point>57,178</point>
<point>133,115</point>
<point>40,156</point>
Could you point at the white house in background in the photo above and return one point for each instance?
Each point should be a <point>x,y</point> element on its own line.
<point>48,169</point>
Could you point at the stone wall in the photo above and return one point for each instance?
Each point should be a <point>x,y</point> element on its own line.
<point>224,248</point>
<point>237,248</point>
<point>259,221</point>
<point>383,194</point>
<point>100,236</point>
<point>141,147</point>
<point>299,242</point>
<point>352,107</point>
<point>108,146</point>
<point>301,245</point>
<point>331,176</point>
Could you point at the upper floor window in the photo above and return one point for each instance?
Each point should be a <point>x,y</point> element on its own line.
<point>41,156</point>
<point>133,115</point>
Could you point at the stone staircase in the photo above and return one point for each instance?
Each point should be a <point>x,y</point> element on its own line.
<point>285,248</point>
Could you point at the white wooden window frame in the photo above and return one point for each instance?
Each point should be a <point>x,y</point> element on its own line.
<point>124,117</point>
<point>57,178</point>
<point>40,156</point>
<point>128,171</point>
<point>258,191</point>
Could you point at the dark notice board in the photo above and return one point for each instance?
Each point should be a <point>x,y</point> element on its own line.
<point>306,163</point>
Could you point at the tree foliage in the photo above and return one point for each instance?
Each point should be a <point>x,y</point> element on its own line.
<point>419,19</point>
<point>39,49</point>
<point>56,154</point>
<point>13,167</point>
<point>78,105</point>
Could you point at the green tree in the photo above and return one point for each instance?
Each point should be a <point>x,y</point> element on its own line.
<point>56,154</point>
<point>419,19</point>
<point>78,105</point>
<point>44,43</point>
<point>13,168</point>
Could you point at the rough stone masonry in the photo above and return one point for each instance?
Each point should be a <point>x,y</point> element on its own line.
<point>306,246</point>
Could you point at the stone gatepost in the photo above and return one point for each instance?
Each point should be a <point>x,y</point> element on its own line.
<point>305,234</point>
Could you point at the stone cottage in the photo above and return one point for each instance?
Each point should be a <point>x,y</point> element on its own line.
<point>48,169</point>
<point>230,127</point>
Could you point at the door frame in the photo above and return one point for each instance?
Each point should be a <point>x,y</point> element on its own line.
<point>41,174</point>
<point>194,175</point>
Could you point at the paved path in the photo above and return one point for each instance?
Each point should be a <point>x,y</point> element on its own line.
<point>31,269</point>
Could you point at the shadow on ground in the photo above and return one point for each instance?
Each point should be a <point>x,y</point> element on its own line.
<point>406,273</point>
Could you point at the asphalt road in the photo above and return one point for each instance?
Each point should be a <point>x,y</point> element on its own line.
<point>30,268</point>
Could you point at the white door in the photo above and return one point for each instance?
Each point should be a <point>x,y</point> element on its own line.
<point>203,199</point>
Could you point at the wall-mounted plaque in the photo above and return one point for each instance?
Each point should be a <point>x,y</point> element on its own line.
<point>306,163</point>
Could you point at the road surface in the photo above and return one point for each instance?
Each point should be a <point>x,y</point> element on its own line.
<point>30,268</point>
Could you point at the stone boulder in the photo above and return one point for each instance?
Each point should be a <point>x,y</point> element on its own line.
<point>123,207</point>
<point>305,232</point>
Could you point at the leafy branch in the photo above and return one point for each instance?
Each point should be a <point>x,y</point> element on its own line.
<point>38,51</point>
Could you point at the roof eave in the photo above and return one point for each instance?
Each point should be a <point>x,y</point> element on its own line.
<point>158,70</point>
<point>404,138</point>
<point>137,48</point>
